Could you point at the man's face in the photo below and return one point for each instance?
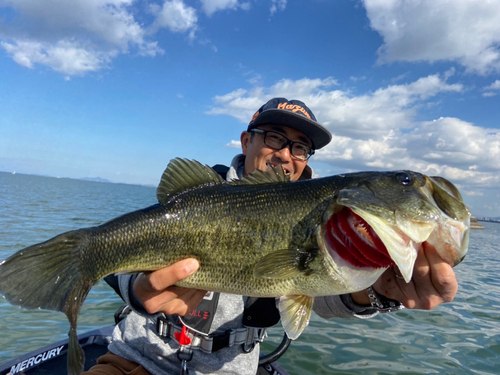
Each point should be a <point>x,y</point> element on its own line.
<point>259,156</point>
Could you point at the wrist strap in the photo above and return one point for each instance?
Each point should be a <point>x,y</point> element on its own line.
<point>383,304</point>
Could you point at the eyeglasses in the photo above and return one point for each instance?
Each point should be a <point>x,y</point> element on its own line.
<point>278,141</point>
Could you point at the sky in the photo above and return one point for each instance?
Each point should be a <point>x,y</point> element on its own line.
<point>117,88</point>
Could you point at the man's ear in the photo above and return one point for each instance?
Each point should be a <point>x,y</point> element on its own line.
<point>245,139</point>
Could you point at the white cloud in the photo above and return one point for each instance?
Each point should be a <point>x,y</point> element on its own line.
<point>234,104</point>
<point>356,79</point>
<point>106,20</point>
<point>361,117</point>
<point>63,56</point>
<point>254,78</point>
<point>277,5</point>
<point>80,36</point>
<point>175,16</point>
<point>490,90</point>
<point>459,143</point>
<point>489,94</point>
<point>494,86</point>
<point>473,193</point>
<point>466,31</point>
<point>377,130</point>
<point>245,6</point>
<point>377,114</point>
<point>234,144</point>
<point>242,104</point>
<point>212,6</point>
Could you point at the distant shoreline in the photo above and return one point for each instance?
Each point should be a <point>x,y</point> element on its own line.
<point>87,179</point>
<point>105,181</point>
<point>488,220</point>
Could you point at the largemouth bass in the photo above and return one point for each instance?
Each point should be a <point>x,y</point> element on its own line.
<point>262,236</point>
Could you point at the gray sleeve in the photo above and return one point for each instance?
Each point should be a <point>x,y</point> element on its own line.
<point>125,283</point>
<point>326,307</point>
<point>341,307</point>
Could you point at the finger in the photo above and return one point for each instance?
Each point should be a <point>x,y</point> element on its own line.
<point>154,290</point>
<point>186,301</point>
<point>392,285</point>
<point>421,269</point>
<point>387,284</point>
<point>443,277</point>
<point>433,282</point>
<point>426,297</point>
<point>172,301</point>
<point>168,276</point>
<point>434,279</point>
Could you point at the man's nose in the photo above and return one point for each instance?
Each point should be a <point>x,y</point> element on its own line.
<point>284,154</point>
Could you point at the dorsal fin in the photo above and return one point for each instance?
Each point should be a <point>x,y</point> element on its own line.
<point>271,175</point>
<point>184,174</point>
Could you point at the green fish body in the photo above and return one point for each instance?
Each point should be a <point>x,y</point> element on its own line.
<point>262,236</point>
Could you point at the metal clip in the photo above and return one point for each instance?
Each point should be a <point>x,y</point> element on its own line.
<point>184,368</point>
<point>184,356</point>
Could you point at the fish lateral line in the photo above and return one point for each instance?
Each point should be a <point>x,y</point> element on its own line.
<point>62,270</point>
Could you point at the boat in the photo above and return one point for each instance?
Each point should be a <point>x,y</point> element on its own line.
<point>51,359</point>
<point>474,223</point>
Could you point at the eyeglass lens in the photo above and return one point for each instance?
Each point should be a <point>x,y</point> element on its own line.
<point>278,142</point>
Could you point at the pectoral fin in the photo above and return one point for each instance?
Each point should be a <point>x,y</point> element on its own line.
<point>284,264</point>
<point>295,313</point>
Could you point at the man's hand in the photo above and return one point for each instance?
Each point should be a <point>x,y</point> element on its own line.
<point>432,284</point>
<point>156,292</point>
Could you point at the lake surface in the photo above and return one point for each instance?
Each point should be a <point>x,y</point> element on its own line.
<point>462,337</point>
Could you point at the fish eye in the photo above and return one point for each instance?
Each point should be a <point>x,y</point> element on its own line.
<point>404,178</point>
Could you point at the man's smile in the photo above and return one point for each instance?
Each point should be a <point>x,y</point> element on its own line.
<point>285,168</point>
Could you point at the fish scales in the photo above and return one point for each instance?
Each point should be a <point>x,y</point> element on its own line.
<point>226,228</point>
<point>262,236</point>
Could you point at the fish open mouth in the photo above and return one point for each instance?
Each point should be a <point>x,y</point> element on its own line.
<point>355,241</point>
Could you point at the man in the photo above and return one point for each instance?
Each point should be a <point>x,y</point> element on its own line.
<point>282,132</point>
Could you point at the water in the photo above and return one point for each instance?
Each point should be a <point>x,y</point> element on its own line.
<point>461,337</point>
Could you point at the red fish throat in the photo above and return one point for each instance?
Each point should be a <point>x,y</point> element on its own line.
<point>355,241</point>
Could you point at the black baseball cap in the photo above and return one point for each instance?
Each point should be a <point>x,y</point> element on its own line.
<point>293,114</point>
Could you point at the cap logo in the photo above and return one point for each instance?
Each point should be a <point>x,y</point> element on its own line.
<point>294,108</point>
<point>256,114</point>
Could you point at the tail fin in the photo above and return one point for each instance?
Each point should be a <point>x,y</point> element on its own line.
<point>49,276</point>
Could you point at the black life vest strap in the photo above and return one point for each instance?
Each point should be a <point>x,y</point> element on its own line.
<point>247,337</point>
